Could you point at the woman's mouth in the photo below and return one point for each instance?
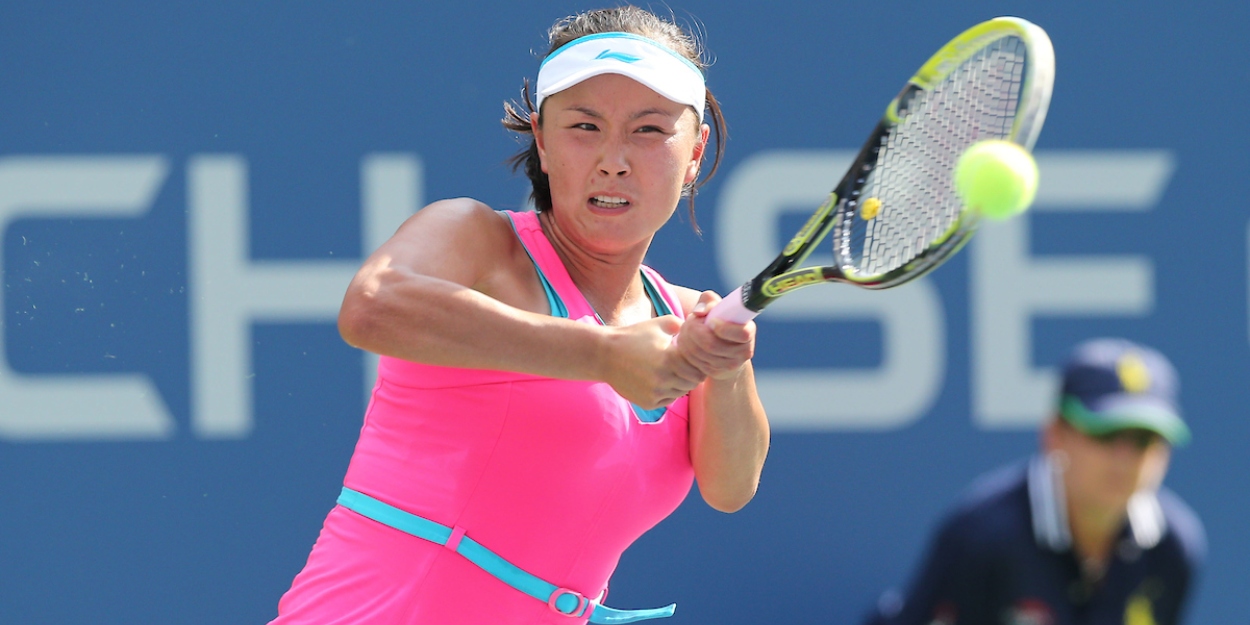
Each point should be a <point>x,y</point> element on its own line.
<point>609,201</point>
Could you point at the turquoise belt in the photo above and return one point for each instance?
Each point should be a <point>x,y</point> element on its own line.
<point>561,600</point>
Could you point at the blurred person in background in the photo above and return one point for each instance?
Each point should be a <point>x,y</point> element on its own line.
<point>1082,533</point>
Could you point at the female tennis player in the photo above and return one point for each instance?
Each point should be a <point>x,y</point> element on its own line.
<point>543,397</point>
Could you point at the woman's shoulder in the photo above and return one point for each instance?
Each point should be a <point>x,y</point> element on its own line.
<point>463,213</point>
<point>460,239</point>
<point>462,225</point>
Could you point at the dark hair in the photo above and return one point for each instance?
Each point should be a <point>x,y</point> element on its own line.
<point>627,19</point>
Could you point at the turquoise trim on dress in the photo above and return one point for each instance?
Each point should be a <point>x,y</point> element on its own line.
<point>558,309</point>
<point>553,298</point>
<point>561,600</point>
<point>661,308</point>
<point>657,302</point>
<point>649,416</point>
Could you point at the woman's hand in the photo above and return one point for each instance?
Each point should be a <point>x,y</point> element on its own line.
<point>728,427</point>
<point>644,365</point>
<point>717,348</point>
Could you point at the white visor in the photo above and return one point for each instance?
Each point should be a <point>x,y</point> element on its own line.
<point>659,68</point>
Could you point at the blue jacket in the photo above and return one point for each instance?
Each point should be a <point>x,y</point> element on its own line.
<point>1004,557</point>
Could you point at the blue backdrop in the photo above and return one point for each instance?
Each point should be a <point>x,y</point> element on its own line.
<point>185,189</point>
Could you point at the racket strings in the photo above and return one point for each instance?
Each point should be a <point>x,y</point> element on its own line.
<point>915,205</point>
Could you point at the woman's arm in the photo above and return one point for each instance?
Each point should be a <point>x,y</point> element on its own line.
<point>454,287</point>
<point>729,431</point>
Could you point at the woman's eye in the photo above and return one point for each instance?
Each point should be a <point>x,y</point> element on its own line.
<point>585,126</point>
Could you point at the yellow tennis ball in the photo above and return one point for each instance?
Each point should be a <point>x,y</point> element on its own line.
<point>997,178</point>
<point>869,208</point>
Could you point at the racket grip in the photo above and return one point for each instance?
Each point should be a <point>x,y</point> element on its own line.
<point>731,309</point>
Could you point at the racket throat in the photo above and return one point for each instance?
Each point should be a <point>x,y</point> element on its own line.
<point>763,289</point>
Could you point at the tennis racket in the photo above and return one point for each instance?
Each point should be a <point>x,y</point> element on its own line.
<point>895,215</point>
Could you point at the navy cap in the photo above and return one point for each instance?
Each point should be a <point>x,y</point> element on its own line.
<point>1115,384</point>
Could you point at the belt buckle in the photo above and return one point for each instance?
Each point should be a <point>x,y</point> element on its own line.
<point>582,602</point>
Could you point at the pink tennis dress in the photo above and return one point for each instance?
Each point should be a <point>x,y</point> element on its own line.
<point>556,477</point>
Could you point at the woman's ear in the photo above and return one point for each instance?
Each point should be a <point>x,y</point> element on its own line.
<point>696,158</point>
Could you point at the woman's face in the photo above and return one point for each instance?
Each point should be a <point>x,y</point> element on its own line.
<point>617,155</point>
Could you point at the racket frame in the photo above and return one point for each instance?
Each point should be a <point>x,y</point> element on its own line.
<point>781,276</point>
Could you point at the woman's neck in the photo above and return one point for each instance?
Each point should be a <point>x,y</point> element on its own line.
<point>611,283</point>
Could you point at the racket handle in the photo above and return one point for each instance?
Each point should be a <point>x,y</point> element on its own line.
<point>731,309</point>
